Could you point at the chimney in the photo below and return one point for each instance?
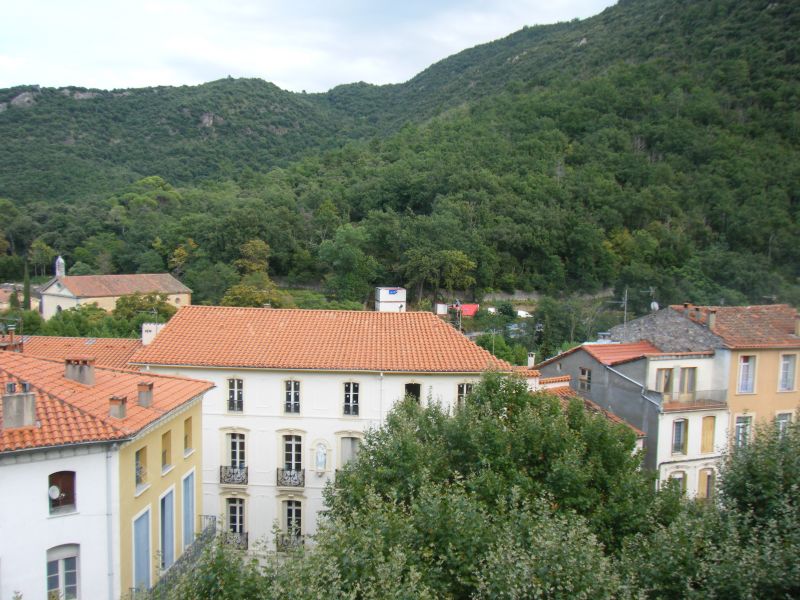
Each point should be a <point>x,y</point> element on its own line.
<point>797,324</point>
<point>712,318</point>
<point>19,409</point>
<point>145,389</point>
<point>150,331</point>
<point>531,359</point>
<point>80,369</point>
<point>686,306</point>
<point>116,406</point>
<point>697,313</point>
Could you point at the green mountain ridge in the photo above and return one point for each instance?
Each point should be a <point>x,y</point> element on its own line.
<point>655,144</point>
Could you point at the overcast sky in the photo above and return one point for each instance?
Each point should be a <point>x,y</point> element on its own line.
<point>310,45</point>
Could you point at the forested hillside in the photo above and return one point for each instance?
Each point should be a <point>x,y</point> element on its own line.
<point>656,144</point>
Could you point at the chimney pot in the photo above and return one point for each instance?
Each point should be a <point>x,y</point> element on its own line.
<point>117,406</point>
<point>19,409</point>
<point>712,318</point>
<point>145,389</point>
<point>531,359</point>
<point>80,369</point>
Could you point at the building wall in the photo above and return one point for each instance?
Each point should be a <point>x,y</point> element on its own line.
<point>28,529</point>
<point>134,502</point>
<point>52,299</point>
<point>766,401</point>
<point>320,422</point>
<point>693,460</point>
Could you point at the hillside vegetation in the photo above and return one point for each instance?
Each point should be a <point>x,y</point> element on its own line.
<point>654,145</point>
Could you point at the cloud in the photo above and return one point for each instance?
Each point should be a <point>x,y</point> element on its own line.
<point>311,45</point>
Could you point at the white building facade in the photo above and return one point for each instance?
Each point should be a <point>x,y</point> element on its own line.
<point>56,525</point>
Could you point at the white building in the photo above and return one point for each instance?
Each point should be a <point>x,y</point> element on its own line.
<point>390,299</point>
<point>295,392</point>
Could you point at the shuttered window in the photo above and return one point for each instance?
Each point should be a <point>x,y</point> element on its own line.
<point>709,424</point>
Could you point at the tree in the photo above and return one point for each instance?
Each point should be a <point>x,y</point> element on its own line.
<point>153,306</point>
<point>352,272</point>
<point>254,257</point>
<point>41,255</point>
<point>26,290</point>
<point>455,270</point>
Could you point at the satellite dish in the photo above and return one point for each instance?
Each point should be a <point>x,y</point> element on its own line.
<point>654,306</point>
<point>54,492</point>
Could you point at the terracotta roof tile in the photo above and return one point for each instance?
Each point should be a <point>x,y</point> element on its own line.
<point>613,354</point>
<point>558,379</point>
<point>107,352</point>
<point>69,412</point>
<point>566,393</point>
<point>758,326</point>
<point>315,339</point>
<point>99,286</point>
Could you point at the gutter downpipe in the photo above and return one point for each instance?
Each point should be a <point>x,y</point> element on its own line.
<point>633,381</point>
<point>109,522</point>
<point>380,402</point>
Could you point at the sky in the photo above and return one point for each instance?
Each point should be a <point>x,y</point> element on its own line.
<point>310,45</point>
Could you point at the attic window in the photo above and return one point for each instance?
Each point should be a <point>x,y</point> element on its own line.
<point>585,379</point>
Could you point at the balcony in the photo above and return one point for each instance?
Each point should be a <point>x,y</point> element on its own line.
<point>697,400</point>
<point>285,542</point>
<point>233,475</point>
<point>291,477</point>
<point>237,538</point>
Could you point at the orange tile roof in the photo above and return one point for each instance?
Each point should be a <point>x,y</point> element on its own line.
<point>526,371</point>
<point>315,339</point>
<point>68,412</point>
<point>566,393</point>
<point>558,379</point>
<point>100,286</point>
<point>107,352</point>
<point>758,326</point>
<point>613,354</point>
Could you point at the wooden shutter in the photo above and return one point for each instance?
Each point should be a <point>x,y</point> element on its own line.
<point>708,434</point>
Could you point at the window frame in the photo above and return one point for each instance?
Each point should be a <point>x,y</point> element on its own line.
<point>166,452</point>
<point>708,448</point>
<point>680,446</point>
<point>742,434</point>
<point>751,363</point>
<point>295,505</point>
<point>235,395</point>
<point>706,493</point>
<point>59,555</point>
<point>141,476</point>
<point>782,422</point>
<point>584,379</point>
<point>61,505</point>
<point>352,399</point>
<point>241,516</point>
<point>463,390</point>
<point>295,442</point>
<point>188,436</point>
<point>680,476</point>
<point>793,384</point>
<point>291,404</point>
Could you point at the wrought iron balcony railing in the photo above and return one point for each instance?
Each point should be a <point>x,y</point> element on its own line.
<point>699,399</point>
<point>292,477</point>
<point>284,542</point>
<point>233,475</point>
<point>237,538</point>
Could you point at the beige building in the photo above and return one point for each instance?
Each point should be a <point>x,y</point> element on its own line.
<point>65,292</point>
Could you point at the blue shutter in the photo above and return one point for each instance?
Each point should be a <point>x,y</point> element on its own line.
<point>141,552</point>
<point>167,531</point>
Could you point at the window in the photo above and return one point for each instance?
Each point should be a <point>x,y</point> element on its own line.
<point>782,422</point>
<point>166,451</point>
<point>688,383</point>
<point>141,467</point>
<point>350,447</point>
<point>292,397</point>
<point>167,537</point>
<point>680,429</point>
<point>709,427</point>
<point>61,491</point>
<point>585,379</point>
<point>188,510</point>
<point>464,390</point>
<point>747,371</point>
<point>705,484</point>
<point>664,382</point>
<point>294,517</point>
<point>742,431</point>
<point>292,452</point>
<point>235,515</point>
<point>235,395</point>
<point>680,478</point>
<point>351,398</point>
<point>414,390</point>
<point>141,551</point>
<point>62,572</point>
<point>187,436</point>
<point>236,450</point>
<point>788,362</point>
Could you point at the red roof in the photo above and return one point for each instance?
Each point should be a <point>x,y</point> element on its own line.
<point>613,354</point>
<point>759,326</point>
<point>270,338</point>
<point>100,286</point>
<point>565,394</point>
<point>107,352</point>
<point>68,412</point>
<point>469,310</point>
